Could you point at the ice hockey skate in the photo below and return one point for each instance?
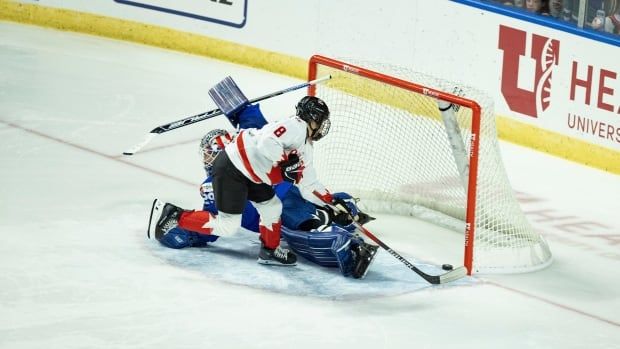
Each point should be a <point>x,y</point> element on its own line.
<point>277,256</point>
<point>164,216</point>
<point>364,256</point>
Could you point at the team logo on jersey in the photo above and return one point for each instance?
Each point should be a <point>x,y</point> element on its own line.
<point>543,53</point>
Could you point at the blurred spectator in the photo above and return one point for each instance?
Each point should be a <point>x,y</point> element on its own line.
<point>602,15</point>
<point>598,22</point>
<point>567,10</point>
<point>612,22</point>
<point>537,6</point>
<point>515,3</point>
<point>555,8</point>
<point>595,14</point>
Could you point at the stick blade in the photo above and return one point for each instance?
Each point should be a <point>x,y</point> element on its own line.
<point>140,145</point>
<point>453,275</point>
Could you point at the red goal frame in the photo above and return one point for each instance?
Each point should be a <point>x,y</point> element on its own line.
<point>474,141</point>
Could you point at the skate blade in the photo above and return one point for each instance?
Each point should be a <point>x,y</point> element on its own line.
<point>270,262</point>
<point>150,231</point>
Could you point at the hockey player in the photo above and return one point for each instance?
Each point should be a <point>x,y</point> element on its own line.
<point>334,246</point>
<point>178,228</point>
<point>256,160</point>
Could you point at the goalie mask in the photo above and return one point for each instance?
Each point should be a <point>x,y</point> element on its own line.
<point>212,144</point>
<point>315,113</point>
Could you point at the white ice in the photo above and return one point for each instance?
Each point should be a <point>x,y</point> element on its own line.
<point>76,270</point>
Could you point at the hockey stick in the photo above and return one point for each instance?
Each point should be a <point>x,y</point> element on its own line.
<point>450,276</point>
<point>210,114</point>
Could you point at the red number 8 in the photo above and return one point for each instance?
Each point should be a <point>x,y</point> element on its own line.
<point>279,131</point>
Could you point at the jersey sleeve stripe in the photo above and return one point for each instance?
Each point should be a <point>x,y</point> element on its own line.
<point>244,158</point>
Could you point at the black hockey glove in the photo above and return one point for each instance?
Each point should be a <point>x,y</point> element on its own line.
<point>292,169</point>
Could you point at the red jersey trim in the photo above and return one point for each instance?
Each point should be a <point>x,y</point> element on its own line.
<point>244,158</point>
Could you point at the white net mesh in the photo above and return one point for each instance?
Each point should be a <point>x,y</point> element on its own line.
<point>390,147</point>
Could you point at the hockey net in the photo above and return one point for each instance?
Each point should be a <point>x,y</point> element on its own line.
<point>390,145</point>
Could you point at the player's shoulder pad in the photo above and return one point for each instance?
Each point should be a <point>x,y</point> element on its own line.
<point>298,123</point>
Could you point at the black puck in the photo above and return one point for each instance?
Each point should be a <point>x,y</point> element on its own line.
<point>446,267</point>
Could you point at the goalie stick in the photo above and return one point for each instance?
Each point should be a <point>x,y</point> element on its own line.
<point>210,114</point>
<point>450,276</point>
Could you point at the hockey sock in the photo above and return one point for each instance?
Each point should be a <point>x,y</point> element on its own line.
<point>270,237</point>
<point>195,220</point>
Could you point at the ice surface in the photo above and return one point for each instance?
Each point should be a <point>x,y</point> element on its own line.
<point>76,270</point>
<point>233,260</point>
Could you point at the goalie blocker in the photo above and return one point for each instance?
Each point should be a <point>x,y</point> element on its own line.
<point>229,98</point>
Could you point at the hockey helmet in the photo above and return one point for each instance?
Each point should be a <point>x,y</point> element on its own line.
<point>212,144</point>
<point>311,109</point>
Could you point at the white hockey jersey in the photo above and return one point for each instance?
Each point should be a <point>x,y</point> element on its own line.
<point>256,153</point>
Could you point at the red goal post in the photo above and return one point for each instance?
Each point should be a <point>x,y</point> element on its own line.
<point>383,88</point>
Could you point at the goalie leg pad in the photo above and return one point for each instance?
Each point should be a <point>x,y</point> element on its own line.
<point>314,246</point>
<point>354,255</point>
<point>335,247</point>
<point>364,256</point>
<point>341,248</point>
